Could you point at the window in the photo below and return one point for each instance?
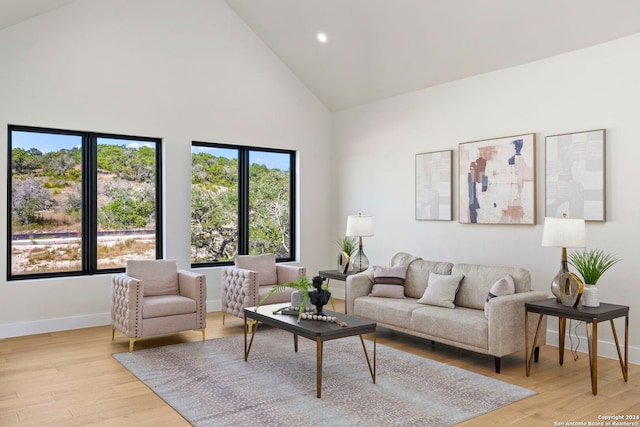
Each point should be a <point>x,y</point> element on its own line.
<point>81,202</point>
<point>242,202</point>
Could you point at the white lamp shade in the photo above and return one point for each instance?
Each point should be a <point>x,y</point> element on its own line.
<point>359,225</point>
<point>564,233</point>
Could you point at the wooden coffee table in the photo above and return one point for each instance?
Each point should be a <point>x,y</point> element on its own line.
<point>315,330</point>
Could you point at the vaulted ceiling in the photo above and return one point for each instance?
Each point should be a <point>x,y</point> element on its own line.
<point>15,11</point>
<point>381,48</point>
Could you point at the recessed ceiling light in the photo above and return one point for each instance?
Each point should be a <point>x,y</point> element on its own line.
<point>322,37</point>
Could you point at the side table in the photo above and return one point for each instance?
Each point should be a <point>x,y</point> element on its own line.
<point>337,275</point>
<point>592,316</point>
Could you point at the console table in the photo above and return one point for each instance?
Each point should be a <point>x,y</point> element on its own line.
<point>592,316</point>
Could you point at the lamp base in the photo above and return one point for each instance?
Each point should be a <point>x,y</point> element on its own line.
<point>359,261</point>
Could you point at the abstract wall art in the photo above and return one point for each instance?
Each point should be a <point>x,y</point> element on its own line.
<point>497,180</point>
<point>575,175</point>
<point>434,185</point>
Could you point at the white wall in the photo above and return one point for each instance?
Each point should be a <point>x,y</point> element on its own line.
<point>588,89</point>
<point>181,71</point>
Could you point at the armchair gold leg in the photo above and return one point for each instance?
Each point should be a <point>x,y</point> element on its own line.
<point>132,341</point>
<point>203,333</point>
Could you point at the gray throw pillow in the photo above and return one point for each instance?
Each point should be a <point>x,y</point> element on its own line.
<point>441,290</point>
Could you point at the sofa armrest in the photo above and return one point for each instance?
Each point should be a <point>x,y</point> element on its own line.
<point>506,323</point>
<point>239,290</point>
<point>126,304</point>
<point>289,273</point>
<point>194,286</point>
<point>358,285</point>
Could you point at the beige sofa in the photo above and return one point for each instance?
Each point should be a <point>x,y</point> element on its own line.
<point>499,332</point>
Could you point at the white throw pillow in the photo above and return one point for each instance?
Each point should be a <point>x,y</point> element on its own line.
<point>441,290</point>
<point>504,286</point>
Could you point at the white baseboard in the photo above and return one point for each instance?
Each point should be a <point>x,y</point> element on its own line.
<point>605,348</point>
<point>32,327</point>
<point>214,305</point>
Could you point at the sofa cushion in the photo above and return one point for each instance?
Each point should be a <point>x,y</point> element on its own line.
<point>391,311</point>
<point>441,290</point>
<point>263,265</point>
<point>461,325</point>
<point>502,287</point>
<point>158,276</point>
<point>388,282</point>
<point>478,279</point>
<point>418,272</point>
<point>167,305</point>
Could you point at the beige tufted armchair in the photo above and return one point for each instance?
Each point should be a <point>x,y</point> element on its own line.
<point>153,297</point>
<point>245,284</point>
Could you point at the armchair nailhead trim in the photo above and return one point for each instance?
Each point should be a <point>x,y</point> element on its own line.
<point>201,303</point>
<point>136,325</point>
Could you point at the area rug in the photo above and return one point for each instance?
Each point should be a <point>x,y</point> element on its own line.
<point>210,384</point>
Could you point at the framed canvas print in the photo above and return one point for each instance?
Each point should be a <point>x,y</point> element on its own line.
<point>575,175</point>
<point>497,180</point>
<point>434,185</point>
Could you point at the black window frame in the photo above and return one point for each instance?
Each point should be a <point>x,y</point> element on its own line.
<point>89,200</point>
<point>243,199</point>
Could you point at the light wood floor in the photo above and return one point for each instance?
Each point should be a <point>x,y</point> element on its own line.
<point>70,379</point>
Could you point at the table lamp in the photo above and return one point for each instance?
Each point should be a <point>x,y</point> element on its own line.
<point>565,233</point>
<point>359,226</point>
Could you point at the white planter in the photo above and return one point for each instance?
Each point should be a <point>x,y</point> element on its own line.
<point>296,299</point>
<point>590,296</point>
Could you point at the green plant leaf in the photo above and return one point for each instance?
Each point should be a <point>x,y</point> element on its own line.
<point>347,244</point>
<point>592,263</point>
<point>303,284</point>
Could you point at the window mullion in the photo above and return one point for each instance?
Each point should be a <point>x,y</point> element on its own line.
<point>159,205</point>
<point>89,203</point>
<point>292,206</point>
<point>243,201</point>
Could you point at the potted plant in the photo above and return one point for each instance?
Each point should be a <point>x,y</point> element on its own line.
<point>591,264</point>
<point>347,247</point>
<point>304,286</point>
